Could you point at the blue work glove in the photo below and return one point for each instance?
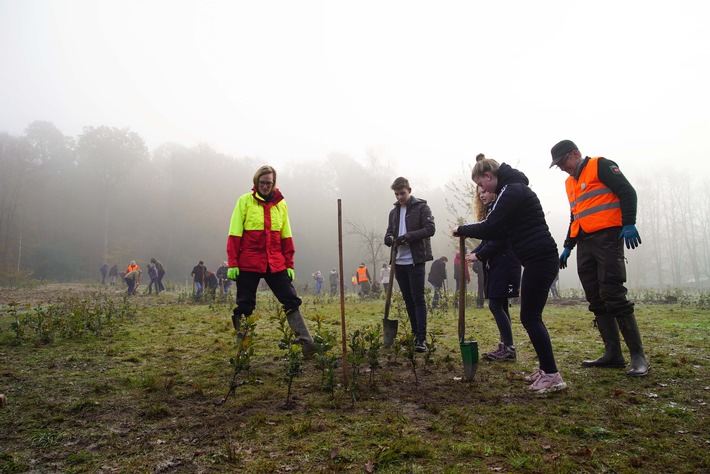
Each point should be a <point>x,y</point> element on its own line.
<point>233,273</point>
<point>564,256</point>
<point>631,236</point>
<point>403,239</point>
<point>389,241</point>
<point>291,274</point>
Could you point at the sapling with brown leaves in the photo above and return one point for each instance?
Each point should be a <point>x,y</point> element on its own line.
<point>294,359</point>
<point>244,351</point>
<point>373,339</point>
<point>407,343</point>
<point>356,358</point>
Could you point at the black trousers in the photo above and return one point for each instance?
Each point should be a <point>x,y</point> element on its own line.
<point>602,270</point>
<point>280,284</point>
<point>411,282</point>
<point>538,275</point>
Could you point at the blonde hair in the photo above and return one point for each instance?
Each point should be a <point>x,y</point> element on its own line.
<point>479,208</point>
<point>486,165</point>
<point>266,169</point>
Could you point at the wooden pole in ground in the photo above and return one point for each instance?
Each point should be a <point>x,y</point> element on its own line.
<point>342,294</point>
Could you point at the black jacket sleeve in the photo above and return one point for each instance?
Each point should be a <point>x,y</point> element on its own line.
<point>613,178</point>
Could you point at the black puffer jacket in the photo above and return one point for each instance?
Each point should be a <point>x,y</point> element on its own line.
<point>516,215</point>
<point>501,268</point>
<point>420,227</point>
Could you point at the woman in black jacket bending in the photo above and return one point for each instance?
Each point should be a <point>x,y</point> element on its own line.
<point>517,215</point>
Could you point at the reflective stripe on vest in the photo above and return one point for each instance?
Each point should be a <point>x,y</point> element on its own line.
<point>593,205</point>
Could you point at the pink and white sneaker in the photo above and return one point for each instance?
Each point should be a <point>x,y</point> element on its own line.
<point>547,383</point>
<point>534,376</point>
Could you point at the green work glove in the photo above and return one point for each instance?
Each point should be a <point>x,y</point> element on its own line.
<point>291,274</point>
<point>233,273</point>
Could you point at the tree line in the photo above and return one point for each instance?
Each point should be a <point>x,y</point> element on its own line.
<point>70,204</point>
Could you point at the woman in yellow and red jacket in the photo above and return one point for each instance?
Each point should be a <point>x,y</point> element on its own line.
<point>260,245</point>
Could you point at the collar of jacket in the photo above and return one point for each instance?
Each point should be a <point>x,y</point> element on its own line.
<point>412,201</point>
<point>276,197</point>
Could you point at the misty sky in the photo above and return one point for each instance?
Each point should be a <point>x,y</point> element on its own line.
<point>426,84</point>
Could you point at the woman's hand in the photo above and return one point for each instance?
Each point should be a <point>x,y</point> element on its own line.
<point>455,232</point>
<point>471,257</point>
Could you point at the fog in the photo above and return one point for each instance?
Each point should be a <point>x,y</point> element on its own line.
<point>129,129</point>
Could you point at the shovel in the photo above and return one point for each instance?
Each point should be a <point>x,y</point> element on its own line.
<point>389,326</point>
<point>469,350</point>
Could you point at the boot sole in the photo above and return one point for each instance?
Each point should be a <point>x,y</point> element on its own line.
<point>555,388</point>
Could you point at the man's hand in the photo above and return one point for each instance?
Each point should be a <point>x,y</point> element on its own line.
<point>564,256</point>
<point>403,239</point>
<point>455,231</point>
<point>291,274</point>
<point>389,241</point>
<point>631,236</point>
<point>233,273</point>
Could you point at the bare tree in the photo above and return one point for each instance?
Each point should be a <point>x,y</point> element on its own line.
<point>371,240</point>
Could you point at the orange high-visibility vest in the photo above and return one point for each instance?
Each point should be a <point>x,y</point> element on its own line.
<point>362,274</point>
<point>593,205</point>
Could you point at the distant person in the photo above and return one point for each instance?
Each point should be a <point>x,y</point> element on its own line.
<point>112,275</point>
<point>385,276</point>
<point>333,280</point>
<point>553,289</point>
<point>103,270</point>
<point>518,216</point>
<point>132,279</point>
<point>224,282</point>
<point>602,218</point>
<point>501,274</point>
<point>410,226</point>
<point>153,274</point>
<point>363,280</point>
<point>199,275</point>
<point>318,277</point>
<point>467,274</point>
<point>260,246</point>
<point>353,280</point>
<point>131,266</point>
<point>161,272</point>
<point>211,283</point>
<point>437,277</point>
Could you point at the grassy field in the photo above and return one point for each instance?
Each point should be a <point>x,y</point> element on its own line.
<point>144,395</point>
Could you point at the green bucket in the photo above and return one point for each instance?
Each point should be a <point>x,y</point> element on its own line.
<point>469,354</point>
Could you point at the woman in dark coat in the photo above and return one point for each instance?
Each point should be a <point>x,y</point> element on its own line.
<point>517,215</point>
<point>501,271</point>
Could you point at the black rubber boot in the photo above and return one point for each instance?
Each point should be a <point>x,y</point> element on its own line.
<point>303,336</point>
<point>612,358</point>
<point>630,330</point>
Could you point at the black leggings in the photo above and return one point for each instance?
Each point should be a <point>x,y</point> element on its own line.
<point>537,278</point>
<point>501,313</point>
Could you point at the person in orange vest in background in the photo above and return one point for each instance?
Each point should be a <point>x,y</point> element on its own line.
<point>363,279</point>
<point>602,218</point>
<point>131,266</point>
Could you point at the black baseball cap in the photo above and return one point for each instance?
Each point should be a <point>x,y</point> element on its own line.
<point>560,150</point>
